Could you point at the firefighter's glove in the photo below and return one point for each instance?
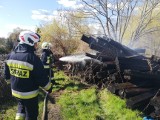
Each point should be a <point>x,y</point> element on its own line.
<point>8,82</point>
<point>50,90</point>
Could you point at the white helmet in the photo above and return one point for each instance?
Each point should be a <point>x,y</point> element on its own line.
<point>50,45</point>
<point>29,38</point>
<point>45,45</point>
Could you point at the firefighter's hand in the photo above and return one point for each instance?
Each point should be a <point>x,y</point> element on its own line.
<point>8,82</point>
<point>50,90</point>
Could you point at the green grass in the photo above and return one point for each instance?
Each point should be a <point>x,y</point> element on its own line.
<point>115,108</point>
<point>92,104</point>
<point>79,102</point>
<point>81,105</point>
<point>9,108</point>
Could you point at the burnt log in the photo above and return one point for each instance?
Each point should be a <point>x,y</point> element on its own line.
<point>153,79</point>
<point>100,56</point>
<point>109,53</point>
<point>91,55</point>
<point>132,64</point>
<point>155,101</point>
<point>109,65</point>
<point>104,57</point>
<point>130,92</point>
<point>109,47</point>
<point>102,74</point>
<point>140,101</point>
<point>139,82</point>
<point>115,87</point>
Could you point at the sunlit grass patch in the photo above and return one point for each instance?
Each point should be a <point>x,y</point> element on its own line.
<point>80,105</point>
<point>115,108</point>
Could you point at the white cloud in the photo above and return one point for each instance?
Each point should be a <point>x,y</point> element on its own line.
<point>43,15</point>
<point>70,3</point>
<point>67,3</point>
<point>13,26</point>
<point>5,31</point>
<point>1,6</point>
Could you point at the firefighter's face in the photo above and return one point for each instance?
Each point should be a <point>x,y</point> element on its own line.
<point>35,45</point>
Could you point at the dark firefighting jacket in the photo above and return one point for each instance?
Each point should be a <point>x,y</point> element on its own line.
<point>26,72</point>
<point>47,58</point>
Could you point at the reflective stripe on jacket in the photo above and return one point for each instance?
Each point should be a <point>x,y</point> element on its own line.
<point>26,72</point>
<point>20,116</point>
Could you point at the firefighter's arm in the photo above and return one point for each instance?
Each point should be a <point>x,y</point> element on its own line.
<point>44,58</point>
<point>6,73</point>
<point>40,76</point>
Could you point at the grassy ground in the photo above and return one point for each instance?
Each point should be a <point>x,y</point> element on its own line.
<point>79,102</point>
<point>82,102</point>
<point>9,108</point>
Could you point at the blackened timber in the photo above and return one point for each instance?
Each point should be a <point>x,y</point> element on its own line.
<point>120,49</point>
<point>153,79</point>
<point>155,101</point>
<point>115,87</point>
<point>87,39</point>
<point>130,92</point>
<point>123,49</point>
<point>115,77</point>
<point>102,74</point>
<point>100,57</point>
<point>140,100</point>
<point>106,44</point>
<point>109,52</point>
<point>133,64</point>
<point>139,82</point>
<point>103,56</point>
<point>91,55</point>
<point>109,65</point>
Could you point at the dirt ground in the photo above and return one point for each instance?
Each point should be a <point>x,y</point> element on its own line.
<point>53,109</point>
<point>54,112</point>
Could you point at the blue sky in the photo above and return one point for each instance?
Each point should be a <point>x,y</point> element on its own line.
<point>28,14</point>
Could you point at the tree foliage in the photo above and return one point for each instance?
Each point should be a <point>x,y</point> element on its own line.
<point>12,40</point>
<point>116,16</point>
<point>2,46</point>
<point>64,33</point>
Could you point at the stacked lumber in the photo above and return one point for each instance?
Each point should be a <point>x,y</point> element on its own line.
<point>134,77</point>
<point>124,72</point>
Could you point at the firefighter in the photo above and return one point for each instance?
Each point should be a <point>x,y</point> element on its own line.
<point>26,73</point>
<point>47,59</point>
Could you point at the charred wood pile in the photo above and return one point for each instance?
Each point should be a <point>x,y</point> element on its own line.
<point>123,71</point>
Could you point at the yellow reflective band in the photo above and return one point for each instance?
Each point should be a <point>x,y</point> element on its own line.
<point>25,95</point>
<point>19,73</point>
<point>48,86</point>
<point>20,116</point>
<point>46,66</point>
<point>8,81</point>
<point>19,64</point>
<point>48,60</point>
